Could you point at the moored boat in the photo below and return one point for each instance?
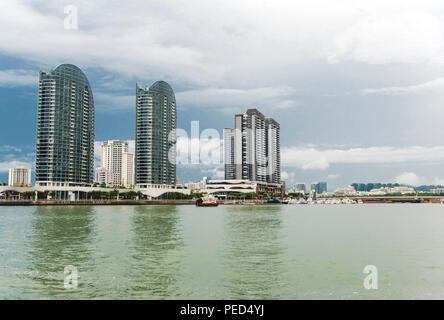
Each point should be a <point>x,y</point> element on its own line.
<point>276,201</point>
<point>206,202</point>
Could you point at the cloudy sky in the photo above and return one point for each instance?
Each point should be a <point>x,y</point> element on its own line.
<point>357,86</point>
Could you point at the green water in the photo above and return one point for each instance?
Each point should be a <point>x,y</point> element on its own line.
<point>228,252</point>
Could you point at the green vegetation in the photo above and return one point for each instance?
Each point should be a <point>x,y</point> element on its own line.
<point>428,188</point>
<point>28,195</point>
<point>239,195</point>
<point>131,195</point>
<point>296,195</point>
<point>103,195</point>
<point>42,195</point>
<point>181,196</point>
<point>376,185</point>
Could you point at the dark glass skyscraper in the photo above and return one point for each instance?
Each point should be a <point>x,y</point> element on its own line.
<point>65,128</point>
<point>155,160</point>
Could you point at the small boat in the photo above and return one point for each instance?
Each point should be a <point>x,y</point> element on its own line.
<point>206,202</point>
<point>276,201</point>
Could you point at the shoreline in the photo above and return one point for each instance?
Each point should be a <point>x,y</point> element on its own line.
<point>27,203</point>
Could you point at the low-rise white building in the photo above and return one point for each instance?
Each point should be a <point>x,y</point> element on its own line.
<point>437,190</point>
<point>224,187</point>
<point>347,191</point>
<point>103,176</point>
<point>388,190</point>
<point>19,177</point>
<point>127,170</point>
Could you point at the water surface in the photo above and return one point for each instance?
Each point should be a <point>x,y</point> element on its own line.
<point>228,252</point>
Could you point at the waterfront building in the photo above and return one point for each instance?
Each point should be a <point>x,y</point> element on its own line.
<point>197,186</point>
<point>437,190</point>
<point>388,190</point>
<point>155,157</point>
<point>229,153</point>
<point>224,187</point>
<point>193,186</point>
<point>252,148</point>
<point>347,191</point>
<point>19,177</point>
<point>112,160</point>
<point>65,128</point>
<point>273,150</point>
<point>127,170</point>
<point>103,176</point>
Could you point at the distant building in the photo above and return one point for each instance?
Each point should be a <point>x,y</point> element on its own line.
<point>65,128</point>
<point>319,187</point>
<point>224,187</point>
<point>402,190</point>
<point>102,176</point>
<point>111,161</point>
<point>229,153</point>
<point>155,158</point>
<point>388,190</point>
<point>437,190</point>
<point>347,191</point>
<point>252,148</point>
<point>273,150</point>
<point>193,186</point>
<point>19,177</point>
<point>299,187</point>
<point>197,186</point>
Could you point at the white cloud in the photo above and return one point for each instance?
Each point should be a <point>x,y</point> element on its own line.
<point>234,100</point>
<point>114,102</point>
<point>5,165</point>
<point>220,43</point>
<point>310,158</point>
<point>214,172</point>
<point>15,78</point>
<point>198,151</point>
<point>388,37</point>
<point>285,175</point>
<point>434,86</point>
<point>438,181</point>
<point>409,178</point>
<point>7,148</point>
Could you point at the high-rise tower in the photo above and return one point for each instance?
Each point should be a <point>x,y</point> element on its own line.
<point>155,159</point>
<point>65,128</point>
<point>252,148</point>
<point>112,160</point>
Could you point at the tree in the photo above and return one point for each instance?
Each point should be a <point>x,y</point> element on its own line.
<point>42,195</point>
<point>113,194</point>
<point>28,195</point>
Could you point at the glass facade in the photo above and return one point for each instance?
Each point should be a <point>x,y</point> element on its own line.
<point>155,135</point>
<point>65,128</point>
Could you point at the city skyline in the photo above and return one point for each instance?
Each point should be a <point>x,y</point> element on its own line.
<point>354,105</point>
